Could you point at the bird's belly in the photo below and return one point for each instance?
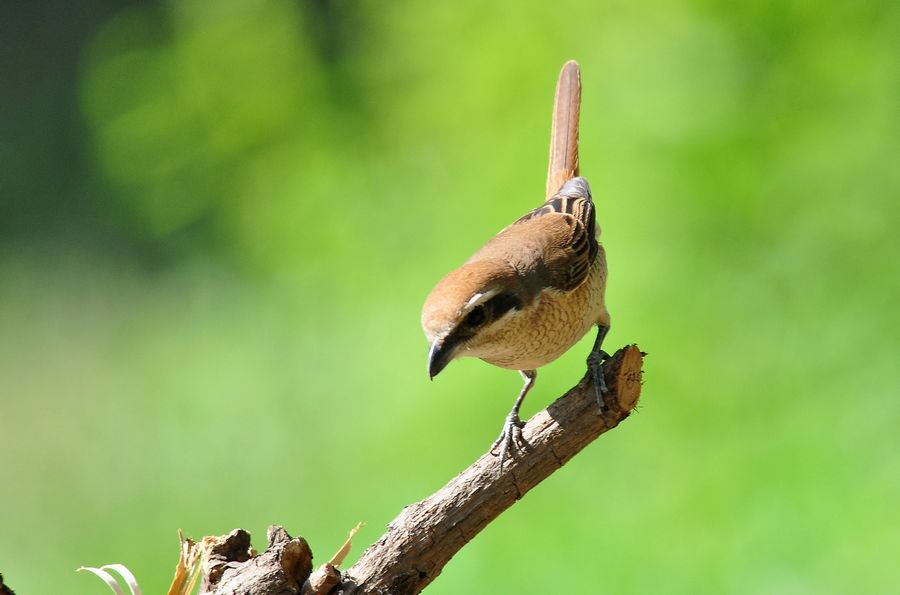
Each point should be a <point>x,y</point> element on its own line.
<point>546,329</point>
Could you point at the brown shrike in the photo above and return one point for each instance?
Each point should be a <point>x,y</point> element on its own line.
<point>535,288</point>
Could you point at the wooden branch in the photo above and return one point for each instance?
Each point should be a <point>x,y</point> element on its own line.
<point>426,535</point>
<point>229,565</point>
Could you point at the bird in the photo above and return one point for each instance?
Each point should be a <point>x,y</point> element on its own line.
<point>537,287</point>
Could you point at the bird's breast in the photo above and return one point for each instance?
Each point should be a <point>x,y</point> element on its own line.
<point>548,327</point>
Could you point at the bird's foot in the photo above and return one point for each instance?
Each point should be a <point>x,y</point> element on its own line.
<point>511,434</point>
<point>595,365</point>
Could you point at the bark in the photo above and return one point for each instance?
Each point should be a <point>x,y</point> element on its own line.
<point>426,535</point>
<point>229,565</point>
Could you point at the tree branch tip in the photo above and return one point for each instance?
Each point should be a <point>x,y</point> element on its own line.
<point>424,536</point>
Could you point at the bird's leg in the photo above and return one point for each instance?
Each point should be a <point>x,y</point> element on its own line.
<point>595,365</point>
<point>512,428</point>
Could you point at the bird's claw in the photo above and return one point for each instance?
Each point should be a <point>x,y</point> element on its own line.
<point>512,433</point>
<point>595,365</point>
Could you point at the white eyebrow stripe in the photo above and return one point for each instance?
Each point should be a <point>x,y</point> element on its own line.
<point>480,298</point>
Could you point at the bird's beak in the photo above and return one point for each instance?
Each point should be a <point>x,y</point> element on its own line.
<point>439,356</point>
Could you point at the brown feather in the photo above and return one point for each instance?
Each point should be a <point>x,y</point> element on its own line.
<point>564,132</point>
<point>556,242</point>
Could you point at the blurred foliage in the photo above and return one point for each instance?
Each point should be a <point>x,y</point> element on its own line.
<point>218,222</point>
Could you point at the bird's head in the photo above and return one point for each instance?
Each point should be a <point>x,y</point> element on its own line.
<point>467,307</point>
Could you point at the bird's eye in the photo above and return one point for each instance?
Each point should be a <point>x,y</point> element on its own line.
<point>476,317</point>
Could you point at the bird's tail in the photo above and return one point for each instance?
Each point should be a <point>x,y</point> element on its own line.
<point>564,135</point>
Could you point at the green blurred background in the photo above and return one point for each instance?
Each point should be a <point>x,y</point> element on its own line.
<point>218,222</point>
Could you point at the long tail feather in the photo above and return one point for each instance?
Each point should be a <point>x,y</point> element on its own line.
<point>564,135</point>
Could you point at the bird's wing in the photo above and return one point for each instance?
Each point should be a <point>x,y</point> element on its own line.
<point>569,227</point>
<point>558,239</point>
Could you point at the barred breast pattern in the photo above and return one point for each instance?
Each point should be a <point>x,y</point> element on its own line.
<point>538,335</point>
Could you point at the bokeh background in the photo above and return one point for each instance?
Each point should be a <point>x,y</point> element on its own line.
<point>218,222</point>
